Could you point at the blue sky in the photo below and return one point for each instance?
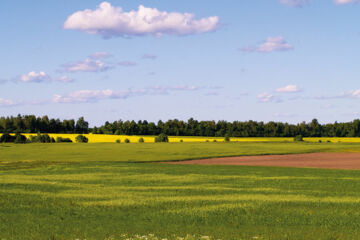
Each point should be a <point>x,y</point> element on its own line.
<point>265,60</point>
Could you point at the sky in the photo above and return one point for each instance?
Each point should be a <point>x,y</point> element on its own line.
<point>263,60</point>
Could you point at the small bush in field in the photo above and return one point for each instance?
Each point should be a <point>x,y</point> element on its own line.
<point>127,141</point>
<point>81,139</point>
<point>141,140</point>
<point>118,141</point>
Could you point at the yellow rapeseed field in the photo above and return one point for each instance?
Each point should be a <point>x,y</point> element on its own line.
<point>104,138</point>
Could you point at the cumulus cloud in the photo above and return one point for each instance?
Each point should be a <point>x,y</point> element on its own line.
<point>149,56</point>
<point>289,89</point>
<point>271,44</point>
<point>340,2</point>
<point>35,77</point>
<point>87,65</point>
<point>268,97</point>
<point>84,96</point>
<point>295,3</point>
<point>111,21</point>
<point>41,77</point>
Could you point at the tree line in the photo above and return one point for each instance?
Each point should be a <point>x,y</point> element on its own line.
<point>191,127</point>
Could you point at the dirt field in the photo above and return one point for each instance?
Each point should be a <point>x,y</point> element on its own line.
<point>310,160</point>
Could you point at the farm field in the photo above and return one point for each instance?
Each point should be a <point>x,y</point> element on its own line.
<point>104,138</point>
<point>108,191</point>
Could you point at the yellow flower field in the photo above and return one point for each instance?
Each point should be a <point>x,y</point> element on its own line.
<point>103,138</point>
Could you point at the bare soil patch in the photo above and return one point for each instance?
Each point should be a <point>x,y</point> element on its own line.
<point>309,160</point>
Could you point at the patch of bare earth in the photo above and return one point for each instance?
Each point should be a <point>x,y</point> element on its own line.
<point>309,160</point>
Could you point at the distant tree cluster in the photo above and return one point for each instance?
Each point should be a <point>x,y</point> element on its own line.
<point>33,124</point>
<point>192,127</point>
<point>231,129</point>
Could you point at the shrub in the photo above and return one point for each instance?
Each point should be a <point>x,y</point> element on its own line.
<point>227,138</point>
<point>162,138</point>
<point>81,139</point>
<point>141,140</point>
<point>127,140</point>
<point>181,140</point>
<point>45,138</point>
<point>118,141</point>
<point>7,138</point>
<point>214,140</point>
<point>20,138</point>
<point>298,138</point>
<point>207,141</point>
<point>320,141</point>
<point>65,140</point>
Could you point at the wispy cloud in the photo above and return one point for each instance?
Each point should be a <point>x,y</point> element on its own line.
<point>268,97</point>
<point>295,3</point>
<point>149,56</point>
<point>272,44</point>
<point>289,89</point>
<point>100,55</point>
<point>84,96</point>
<point>127,63</point>
<point>65,79</point>
<point>111,21</point>
<point>341,2</point>
<point>87,65</point>
<point>7,102</point>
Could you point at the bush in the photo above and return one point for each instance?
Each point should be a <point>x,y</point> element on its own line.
<point>63,140</point>
<point>298,138</point>
<point>81,139</point>
<point>141,140</point>
<point>227,138</point>
<point>162,138</point>
<point>320,141</point>
<point>118,141</point>
<point>214,140</point>
<point>45,138</point>
<point>20,138</point>
<point>127,140</point>
<point>181,140</point>
<point>7,138</point>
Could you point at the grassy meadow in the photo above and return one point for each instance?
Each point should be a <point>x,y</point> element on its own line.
<point>118,191</point>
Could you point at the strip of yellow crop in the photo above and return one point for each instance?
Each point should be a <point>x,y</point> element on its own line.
<point>104,138</point>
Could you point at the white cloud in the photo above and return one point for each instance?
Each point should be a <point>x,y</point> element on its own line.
<point>288,89</point>
<point>149,56</point>
<point>41,77</point>
<point>340,2</point>
<point>100,55</point>
<point>268,97</point>
<point>65,79</point>
<point>88,65</point>
<point>84,96</point>
<point>110,21</point>
<point>271,44</point>
<point>295,3</point>
<point>127,64</point>
<point>35,77</point>
<point>6,103</point>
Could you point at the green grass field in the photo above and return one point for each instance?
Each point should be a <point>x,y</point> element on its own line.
<point>108,191</point>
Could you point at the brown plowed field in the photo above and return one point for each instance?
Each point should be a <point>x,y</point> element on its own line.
<point>309,160</point>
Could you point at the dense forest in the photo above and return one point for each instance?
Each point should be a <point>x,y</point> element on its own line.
<point>33,124</point>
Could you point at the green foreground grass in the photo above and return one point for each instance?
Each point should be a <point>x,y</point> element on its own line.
<point>102,191</point>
